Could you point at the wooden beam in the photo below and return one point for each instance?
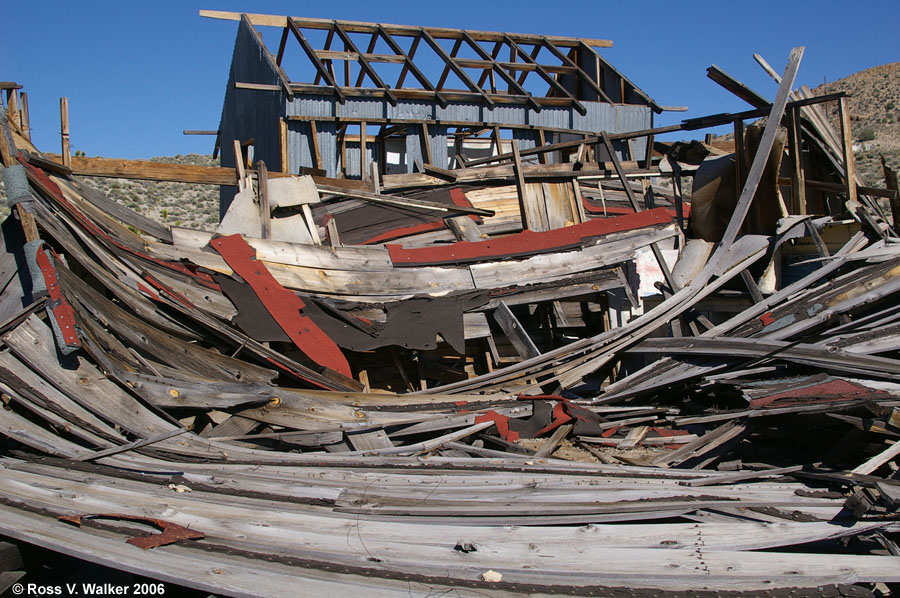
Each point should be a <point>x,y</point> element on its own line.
<point>448,60</point>
<point>24,116</point>
<point>64,131</point>
<point>584,76</point>
<point>736,87</point>
<point>547,76</point>
<point>798,185</point>
<point>402,30</point>
<point>363,159</point>
<point>283,142</point>
<point>426,144</point>
<point>514,331</point>
<point>410,66</point>
<point>314,139</point>
<point>847,148</point>
<point>492,64</point>
<point>265,212</point>
<point>364,64</point>
<point>311,54</point>
<point>629,192</point>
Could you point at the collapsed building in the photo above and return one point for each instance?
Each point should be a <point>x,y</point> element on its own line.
<point>418,293</point>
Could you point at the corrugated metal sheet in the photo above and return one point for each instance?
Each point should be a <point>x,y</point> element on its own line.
<point>599,117</point>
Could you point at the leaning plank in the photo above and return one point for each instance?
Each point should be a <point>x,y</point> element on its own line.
<point>878,460</point>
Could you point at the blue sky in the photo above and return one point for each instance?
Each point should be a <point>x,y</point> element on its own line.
<point>137,74</point>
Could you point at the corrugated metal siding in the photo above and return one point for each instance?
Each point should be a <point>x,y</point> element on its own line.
<point>599,117</point>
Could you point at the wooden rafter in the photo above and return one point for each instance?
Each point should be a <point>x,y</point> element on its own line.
<point>581,73</point>
<point>500,71</point>
<point>326,61</point>
<point>493,66</point>
<point>448,60</point>
<point>545,75</point>
<point>365,67</point>
<point>313,57</point>
<point>410,66</point>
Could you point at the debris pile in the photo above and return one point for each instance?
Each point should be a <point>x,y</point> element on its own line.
<point>340,399</point>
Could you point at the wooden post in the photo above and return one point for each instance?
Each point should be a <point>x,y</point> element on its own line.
<point>376,183</point>
<point>344,151</point>
<point>12,105</point>
<point>890,181</point>
<point>264,211</point>
<point>648,158</point>
<point>64,131</point>
<point>542,141</point>
<point>798,179</point>
<point>847,146</point>
<point>26,124</point>
<point>426,144</point>
<point>738,156</point>
<point>239,165</point>
<point>314,138</point>
<point>283,137</point>
<point>363,160</point>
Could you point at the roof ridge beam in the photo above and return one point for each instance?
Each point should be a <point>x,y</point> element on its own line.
<point>364,27</point>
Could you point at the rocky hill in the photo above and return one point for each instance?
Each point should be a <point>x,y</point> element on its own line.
<point>875,117</point>
<point>174,204</point>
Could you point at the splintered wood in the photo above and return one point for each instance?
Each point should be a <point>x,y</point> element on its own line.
<point>390,410</point>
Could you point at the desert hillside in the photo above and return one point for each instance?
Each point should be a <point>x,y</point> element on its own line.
<point>875,112</point>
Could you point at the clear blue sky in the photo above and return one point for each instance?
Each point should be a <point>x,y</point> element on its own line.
<point>138,73</point>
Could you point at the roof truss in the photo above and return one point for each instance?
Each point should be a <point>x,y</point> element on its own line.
<point>554,60</point>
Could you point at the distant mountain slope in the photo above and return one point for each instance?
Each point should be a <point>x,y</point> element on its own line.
<point>875,112</point>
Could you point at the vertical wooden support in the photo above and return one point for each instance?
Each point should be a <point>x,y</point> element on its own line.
<point>657,253</point>
<point>64,131</point>
<point>458,150</point>
<point>281,45</point>
<point>314,140</point>
<point>426,144</point>
<point>847,146</point>
<point>498,142</point>
<point>542,141</point>
<point>515,332</point>
<point>347,84</point>
<point>334,237</point>
<point>648,158</point>
<point>520,186</point>
<point>264,210</point>
<point>239,165</point>
<point>798,178</point>
<point>12,105</point>
<point>283,137</point>
<point>344,151</point>
<point>738,156</point>
<point>373,172</point>
<point>363,159</point>
<point>311,224</point>
<point>890,181</point>
<point>26,123</point>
